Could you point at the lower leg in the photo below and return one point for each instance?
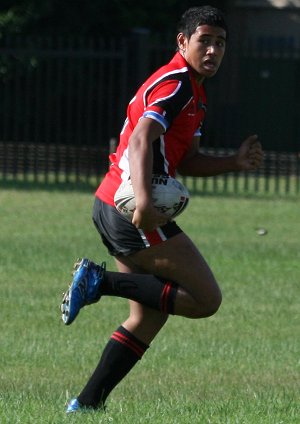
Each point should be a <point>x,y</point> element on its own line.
<point>144,323</point>
<point>121,353</point>
<point>125,348</point>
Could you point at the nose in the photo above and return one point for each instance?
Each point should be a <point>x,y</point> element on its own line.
<point>211,49</point>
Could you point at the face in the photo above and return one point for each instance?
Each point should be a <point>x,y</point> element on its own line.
<point>204,51</point>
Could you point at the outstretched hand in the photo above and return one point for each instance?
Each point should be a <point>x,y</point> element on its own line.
<point>250,154</point>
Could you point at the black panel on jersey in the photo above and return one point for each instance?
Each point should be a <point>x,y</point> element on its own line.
<point>173,105</point>
<point>158,158</point>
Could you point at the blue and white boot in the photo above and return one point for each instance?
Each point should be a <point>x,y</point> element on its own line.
<point>84,289</point>
<point>74,406</point>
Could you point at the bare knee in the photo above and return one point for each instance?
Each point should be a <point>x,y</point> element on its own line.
<point>211,307</point>
<point>203,308</point>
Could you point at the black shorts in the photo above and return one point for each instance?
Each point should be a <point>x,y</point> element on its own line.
<point>123,238</point>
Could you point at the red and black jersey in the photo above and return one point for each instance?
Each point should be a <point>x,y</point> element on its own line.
<point>171,97</point>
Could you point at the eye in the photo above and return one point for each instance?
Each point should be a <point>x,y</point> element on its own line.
<point>204,41</point>
<point>221,42</point>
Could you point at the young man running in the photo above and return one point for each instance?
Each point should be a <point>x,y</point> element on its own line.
<point>161,271</point>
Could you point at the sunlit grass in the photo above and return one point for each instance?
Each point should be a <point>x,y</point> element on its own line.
<point>240,366</point>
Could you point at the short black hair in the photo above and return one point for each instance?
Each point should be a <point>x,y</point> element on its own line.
<point>202,15</point>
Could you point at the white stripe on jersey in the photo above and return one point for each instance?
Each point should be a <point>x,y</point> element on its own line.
<point>187,103</point>
<point>163,152</point>
<point>124,165</point>
<point>175,71</point>
<point>167,97</point>
<point>124,126</point>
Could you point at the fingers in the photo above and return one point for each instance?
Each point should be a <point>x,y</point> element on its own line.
<point>255,153</point>
<point>250,154</point>
<point>149,219</point>
<point>252,139</point>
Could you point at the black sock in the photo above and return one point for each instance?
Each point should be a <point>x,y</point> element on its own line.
<point>144,288</point>
<point>119,356</point>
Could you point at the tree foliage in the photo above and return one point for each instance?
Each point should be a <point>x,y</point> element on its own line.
<point>93,17</point>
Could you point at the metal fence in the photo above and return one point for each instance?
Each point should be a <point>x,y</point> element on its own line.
<point>63,100</point>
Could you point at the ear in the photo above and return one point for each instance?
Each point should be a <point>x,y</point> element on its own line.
<point>181,41</point>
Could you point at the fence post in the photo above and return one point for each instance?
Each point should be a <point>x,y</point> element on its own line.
<point>138,57</point>
<point>113,142</point>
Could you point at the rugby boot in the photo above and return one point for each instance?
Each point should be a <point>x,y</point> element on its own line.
<point>84,289</point>
<point>75,406</point>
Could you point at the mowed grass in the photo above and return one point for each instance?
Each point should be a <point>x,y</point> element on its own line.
<point>240,366</point>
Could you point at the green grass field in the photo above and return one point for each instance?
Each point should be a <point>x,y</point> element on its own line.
<point>240,366</point>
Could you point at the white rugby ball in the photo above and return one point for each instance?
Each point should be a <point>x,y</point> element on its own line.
<point>170,197</point>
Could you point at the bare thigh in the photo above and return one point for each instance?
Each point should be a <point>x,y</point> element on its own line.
<point>179,260</point>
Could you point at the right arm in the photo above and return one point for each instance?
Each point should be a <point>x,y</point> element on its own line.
<point>140,152</point>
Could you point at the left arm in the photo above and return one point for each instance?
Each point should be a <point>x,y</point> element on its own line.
<point>248,157</point>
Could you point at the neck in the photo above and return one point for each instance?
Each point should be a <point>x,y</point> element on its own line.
<point>199,78</point>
